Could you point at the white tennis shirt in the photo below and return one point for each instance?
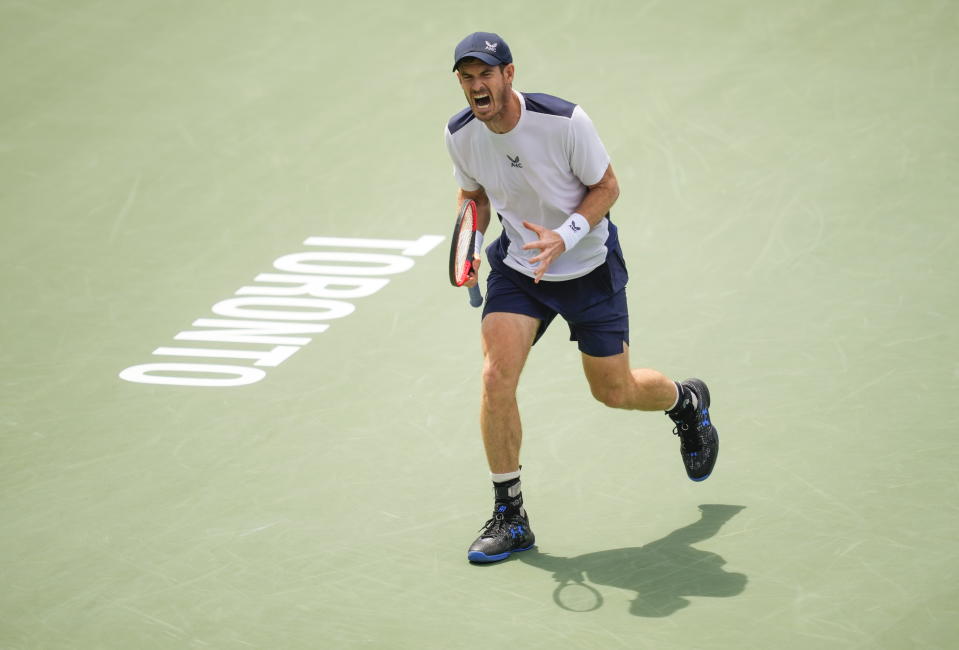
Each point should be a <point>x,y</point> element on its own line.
<point>538,172</point>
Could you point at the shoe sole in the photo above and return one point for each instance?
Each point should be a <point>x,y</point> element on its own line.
<point>479,557</point>
<point>703,391</point>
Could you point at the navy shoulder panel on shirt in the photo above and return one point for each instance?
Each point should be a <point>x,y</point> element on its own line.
<point>460,120</point>
<point>548,104</point>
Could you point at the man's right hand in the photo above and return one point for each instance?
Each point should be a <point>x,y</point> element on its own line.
<point>473,279</point>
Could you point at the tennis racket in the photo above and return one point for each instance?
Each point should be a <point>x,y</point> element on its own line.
<point>461,250</point>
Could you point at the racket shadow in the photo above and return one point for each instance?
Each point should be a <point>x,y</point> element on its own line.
<point>663,573</point>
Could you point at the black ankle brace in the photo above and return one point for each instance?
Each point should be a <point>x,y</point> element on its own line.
<point>509,493</point>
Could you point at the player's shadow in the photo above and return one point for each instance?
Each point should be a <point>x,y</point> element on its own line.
<point>663,573</point>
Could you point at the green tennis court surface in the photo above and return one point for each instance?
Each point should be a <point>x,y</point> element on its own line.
<point>789,218</point>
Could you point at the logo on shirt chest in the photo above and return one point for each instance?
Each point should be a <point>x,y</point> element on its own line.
<point>514,162</point>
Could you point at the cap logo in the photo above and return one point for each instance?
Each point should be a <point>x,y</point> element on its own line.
<point>491,46</point>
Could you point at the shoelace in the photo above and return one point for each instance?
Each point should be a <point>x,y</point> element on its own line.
<point>497,525</point>
<point>693,439</point>
<point>494,525</point>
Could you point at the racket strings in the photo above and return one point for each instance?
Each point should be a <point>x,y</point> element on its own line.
<point>463,243</point>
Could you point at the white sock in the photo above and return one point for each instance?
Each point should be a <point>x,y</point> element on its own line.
<point>502,478</point>
<point>676,386</point>
<point>692,397</point>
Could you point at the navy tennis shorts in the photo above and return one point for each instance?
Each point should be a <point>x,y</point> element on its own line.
<point>594,306</point>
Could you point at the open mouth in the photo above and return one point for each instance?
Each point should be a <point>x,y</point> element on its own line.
<point>482,101</point>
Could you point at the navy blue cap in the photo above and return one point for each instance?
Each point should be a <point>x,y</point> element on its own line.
<point>485,46</point>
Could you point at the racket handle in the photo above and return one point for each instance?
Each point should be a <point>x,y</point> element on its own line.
<point>476,298</point>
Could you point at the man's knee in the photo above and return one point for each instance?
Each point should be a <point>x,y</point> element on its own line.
<point>613,396</point>
<point>499,379</point>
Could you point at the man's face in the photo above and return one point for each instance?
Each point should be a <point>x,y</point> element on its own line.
<point>487,88</point>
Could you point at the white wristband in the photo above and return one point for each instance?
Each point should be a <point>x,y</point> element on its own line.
<point>478,246</point>
<point>573,229</point>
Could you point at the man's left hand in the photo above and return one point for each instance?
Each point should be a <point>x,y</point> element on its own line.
<point>550,245</point>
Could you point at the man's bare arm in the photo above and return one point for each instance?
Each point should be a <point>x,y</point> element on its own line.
<point>599,198</point>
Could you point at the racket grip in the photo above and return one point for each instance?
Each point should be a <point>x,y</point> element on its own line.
<point>476,298</point>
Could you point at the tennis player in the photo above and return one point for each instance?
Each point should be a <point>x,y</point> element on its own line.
<point>538,161</point>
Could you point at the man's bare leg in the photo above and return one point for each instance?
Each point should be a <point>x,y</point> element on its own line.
<point>507,339</point>
<point>615,384</point>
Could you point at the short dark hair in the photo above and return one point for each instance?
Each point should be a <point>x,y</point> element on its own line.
<point>473,59</point>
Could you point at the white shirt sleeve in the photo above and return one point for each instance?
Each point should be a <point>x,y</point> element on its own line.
<point>587,156</point>
<point>463,178</point>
